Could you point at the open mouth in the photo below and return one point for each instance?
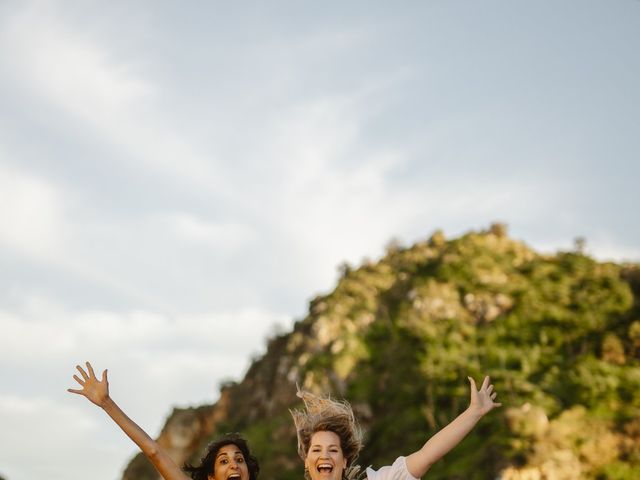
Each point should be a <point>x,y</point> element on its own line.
<point>324,468</point>
<point>234,476</point>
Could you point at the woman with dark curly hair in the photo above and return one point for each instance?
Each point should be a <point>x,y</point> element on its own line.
<point>214,461</point>
<point>228,458</point>
<point>330,439</point>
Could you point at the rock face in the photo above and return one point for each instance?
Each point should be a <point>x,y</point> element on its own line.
<point>559,334</point>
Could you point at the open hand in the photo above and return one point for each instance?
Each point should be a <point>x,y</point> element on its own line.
<point>482,401</point>
<point>97,391</point>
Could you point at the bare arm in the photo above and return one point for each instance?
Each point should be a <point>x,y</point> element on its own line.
<point>482,402</point>
<point>97,391</point>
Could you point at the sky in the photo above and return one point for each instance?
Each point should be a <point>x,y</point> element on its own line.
<point>178,180</point>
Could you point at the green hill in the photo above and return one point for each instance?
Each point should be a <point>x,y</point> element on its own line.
<point>559,334</point>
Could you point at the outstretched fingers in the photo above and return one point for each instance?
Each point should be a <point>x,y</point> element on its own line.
<point>492,395</point>
<point>493,400</point>
<point>474,390</point>
<point>81,382</point>
<point>97,391</point>
<point>83,373</point>
<point>484,398</point>
<point>90,368</point>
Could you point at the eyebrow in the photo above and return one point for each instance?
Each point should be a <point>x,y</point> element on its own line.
<point>227,453</point>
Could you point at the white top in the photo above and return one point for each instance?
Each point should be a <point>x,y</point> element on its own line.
<point>396,471</point>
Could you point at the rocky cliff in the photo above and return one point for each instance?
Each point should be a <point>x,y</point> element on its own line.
<point>560,335</point>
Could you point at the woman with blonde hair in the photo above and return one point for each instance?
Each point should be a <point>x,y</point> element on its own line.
<point>330,439</point>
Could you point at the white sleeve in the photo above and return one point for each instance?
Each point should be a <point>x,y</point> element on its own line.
<point>396,471</point>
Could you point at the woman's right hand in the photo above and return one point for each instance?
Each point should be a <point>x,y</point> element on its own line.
<point>97,391</point>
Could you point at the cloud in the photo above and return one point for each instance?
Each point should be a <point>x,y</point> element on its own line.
<point>613,251</point>
<point>69,67</point>
<point>39,328</point>
<point>97,91</point>
<point>50,227</point>
<point>31,213</point>
<point>194,229</point>
<point>54,432</point>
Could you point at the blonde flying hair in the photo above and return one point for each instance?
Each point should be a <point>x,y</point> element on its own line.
<point>325,414</point>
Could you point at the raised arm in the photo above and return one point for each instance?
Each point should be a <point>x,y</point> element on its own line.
<point>97,391</point>
<point>482,402</point>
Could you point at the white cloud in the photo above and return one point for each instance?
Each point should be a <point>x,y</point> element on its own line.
<point>43,223</point>
<point>69,67</point>
<point>605,246</point>
<point>41,329</point>
<point>32,341</point>
<point>98,91</point>
<point>31,213</point>
<point>43,437</point>
<point>332,199</point>
<point>192,228</point>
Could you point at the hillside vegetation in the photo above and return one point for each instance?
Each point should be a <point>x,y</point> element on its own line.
<point>559,334</point>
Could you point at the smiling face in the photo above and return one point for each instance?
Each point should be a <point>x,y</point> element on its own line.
<point>325,460</point>
<point>230,464</point>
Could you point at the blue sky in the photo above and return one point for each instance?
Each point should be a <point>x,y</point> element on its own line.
<point>173,178</point>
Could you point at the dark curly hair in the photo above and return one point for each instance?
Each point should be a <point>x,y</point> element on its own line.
<point>207,463</point>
